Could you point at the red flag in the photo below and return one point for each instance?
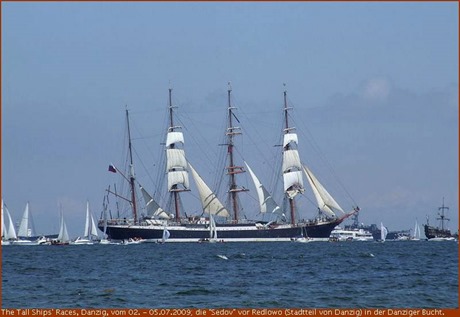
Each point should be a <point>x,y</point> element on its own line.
<point>112,169</point>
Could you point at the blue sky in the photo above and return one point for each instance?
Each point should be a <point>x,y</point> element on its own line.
<point>374,84</point>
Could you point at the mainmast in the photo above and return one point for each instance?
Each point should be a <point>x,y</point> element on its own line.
<point>176,162</point>
<point>292,167</point>
<point>232,170</point>
<point>131,171</point>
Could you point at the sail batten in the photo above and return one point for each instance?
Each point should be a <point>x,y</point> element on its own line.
<point>209,201</point>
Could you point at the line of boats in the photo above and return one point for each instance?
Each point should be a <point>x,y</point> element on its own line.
<point>354,232</point>
<point>217,222</point>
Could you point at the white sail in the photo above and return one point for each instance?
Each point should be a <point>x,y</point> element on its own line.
<point>293,183</point>
<point>291,160</point>
<point>153,209</point>
<point>178,177</point>
<point>175,159</point>
<point>266,201</point>
<point>166,235</point>
<point>383,232</point>
<point>25,229</point>
<point>90,225</point>
<point>209,200</point>
<point>174,137</point>
<point>290,137</point>
<point>63,233</point>
<point>4,232</point>
<point>212,229</point>
<point>10,233</point>
<point>325,201</point>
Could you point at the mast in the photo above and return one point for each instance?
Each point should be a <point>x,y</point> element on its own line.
<point>441,215</point>
<point>232,170</point>
<point>131,171</point>
<point>176,162</point>
<point>171,128</point>
<point>292,206</point>
<point>292,167</point>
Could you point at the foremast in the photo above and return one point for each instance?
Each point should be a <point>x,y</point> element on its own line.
<point>176,166</point>
<point>232,169</point>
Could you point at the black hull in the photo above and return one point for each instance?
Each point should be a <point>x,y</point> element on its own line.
<point>433,232</point>
<point>239,232</point>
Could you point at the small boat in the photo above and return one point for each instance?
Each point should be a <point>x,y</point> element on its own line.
<point>91,235</point>
<point>8,234</point>
<point>63,236</point>
<point>383,232</point>
<point>356,234</point>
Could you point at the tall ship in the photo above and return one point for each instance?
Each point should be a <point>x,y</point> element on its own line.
<point>440,233</point>
<point>217,221</point>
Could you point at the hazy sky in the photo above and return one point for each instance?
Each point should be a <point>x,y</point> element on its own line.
<point>375,84</point>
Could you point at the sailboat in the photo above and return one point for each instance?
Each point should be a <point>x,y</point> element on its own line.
<point>63,236</point>
<point>26,232</point>
<point>230,227</point>
<point>416,235</point>
<point>383,232</point>
<point>8,234</point>
<point>90,236</point>
<point>441,233</point>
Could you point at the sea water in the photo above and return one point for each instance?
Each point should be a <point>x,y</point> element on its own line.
<point>400,274</point>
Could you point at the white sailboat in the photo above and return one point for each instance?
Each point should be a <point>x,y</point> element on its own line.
<point>8,234</point>
<point>416,236</point>
<point>166,235</point>
<point>26,231</point>
<point>63,236</point>
<point>91,235</point>
<point>212,230</point>
<point>383,232</point>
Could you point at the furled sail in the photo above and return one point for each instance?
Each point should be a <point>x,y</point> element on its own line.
<point>209,200</point>
<point>152,207</point>
<point>266,201</point>
<point>326,203</point>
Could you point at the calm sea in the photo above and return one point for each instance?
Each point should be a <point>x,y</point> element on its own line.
<point>408,274</point>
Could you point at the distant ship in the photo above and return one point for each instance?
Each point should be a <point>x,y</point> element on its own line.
<point>229,227</point>
<point>439,233</point>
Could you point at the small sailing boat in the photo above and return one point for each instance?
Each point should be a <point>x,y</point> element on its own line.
<point>26,231</point>
<point>91,235</point>
<point>383,232</point>
<point>416,235</point>
<point>8,234</point>
<point>63,236</point>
